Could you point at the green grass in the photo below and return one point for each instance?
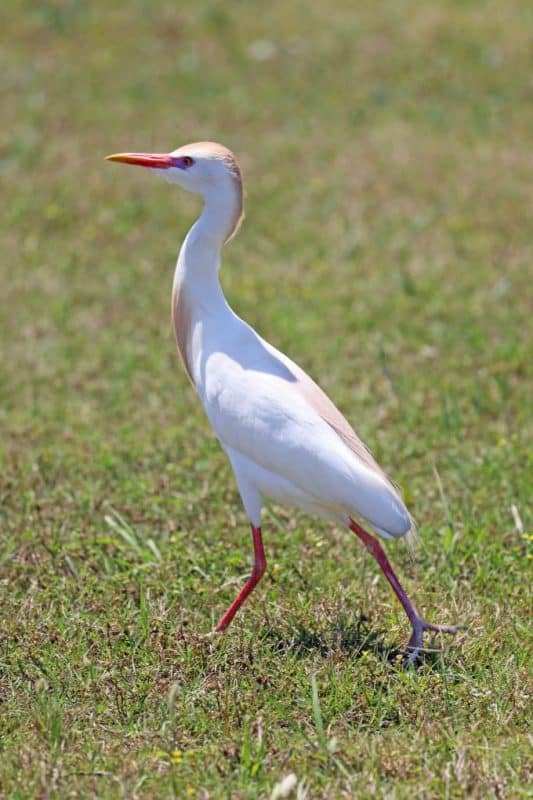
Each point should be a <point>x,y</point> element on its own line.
<point>387,155</point>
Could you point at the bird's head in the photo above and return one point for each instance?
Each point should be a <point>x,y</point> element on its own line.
<point>205,168</point>
<point>202,167</point>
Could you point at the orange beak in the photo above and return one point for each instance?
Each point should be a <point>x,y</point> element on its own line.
<point>153,160</point>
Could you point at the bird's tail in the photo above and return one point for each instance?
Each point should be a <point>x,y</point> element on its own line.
<point>412,538</point>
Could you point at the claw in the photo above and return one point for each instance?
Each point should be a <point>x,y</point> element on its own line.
<point>415,645</point>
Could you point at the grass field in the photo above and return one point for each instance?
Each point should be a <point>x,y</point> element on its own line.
<point>386,149</point>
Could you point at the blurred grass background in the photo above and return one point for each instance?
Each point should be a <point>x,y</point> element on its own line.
<point>386,150</point>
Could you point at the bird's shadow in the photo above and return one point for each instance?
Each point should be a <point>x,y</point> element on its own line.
<point>351,639</point>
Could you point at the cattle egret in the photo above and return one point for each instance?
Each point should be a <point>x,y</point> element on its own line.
<point>285,439</point>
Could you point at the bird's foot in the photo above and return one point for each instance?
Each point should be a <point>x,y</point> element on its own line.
<point>212,634</point>
<point>415,645</point>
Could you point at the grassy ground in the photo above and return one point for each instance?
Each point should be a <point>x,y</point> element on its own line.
<point>387,153</point>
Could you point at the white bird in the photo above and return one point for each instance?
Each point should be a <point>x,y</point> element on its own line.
<point>285,439</point>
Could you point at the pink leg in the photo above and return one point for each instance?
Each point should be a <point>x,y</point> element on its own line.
<point>257,573</point>
<point>418,623</point>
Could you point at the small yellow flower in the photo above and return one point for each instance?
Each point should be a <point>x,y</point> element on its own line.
<point>176,757</point>
<point>52,211</point>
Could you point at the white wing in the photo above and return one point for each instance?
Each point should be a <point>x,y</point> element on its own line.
<point>264,407</point>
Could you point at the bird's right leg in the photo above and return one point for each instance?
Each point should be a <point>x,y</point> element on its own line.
<point>415,644</point>
<point>257,573</point>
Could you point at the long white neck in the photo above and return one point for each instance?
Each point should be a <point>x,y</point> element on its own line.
<point>199,258</point>
<point>196,293</point>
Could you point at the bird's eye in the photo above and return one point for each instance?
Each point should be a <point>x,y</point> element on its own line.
<point>187,161</point>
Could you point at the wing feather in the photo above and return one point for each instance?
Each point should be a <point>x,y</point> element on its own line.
<point>328,411</point>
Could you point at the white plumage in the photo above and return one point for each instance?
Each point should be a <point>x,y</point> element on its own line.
<point>285,439</point>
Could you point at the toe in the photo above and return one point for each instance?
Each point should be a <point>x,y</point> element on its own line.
<point>414,645</point>
<point>213,634</point>
<point>431,626</point>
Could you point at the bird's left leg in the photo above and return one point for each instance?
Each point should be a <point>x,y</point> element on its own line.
<point>257,573</point>
<point>418,623</point>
